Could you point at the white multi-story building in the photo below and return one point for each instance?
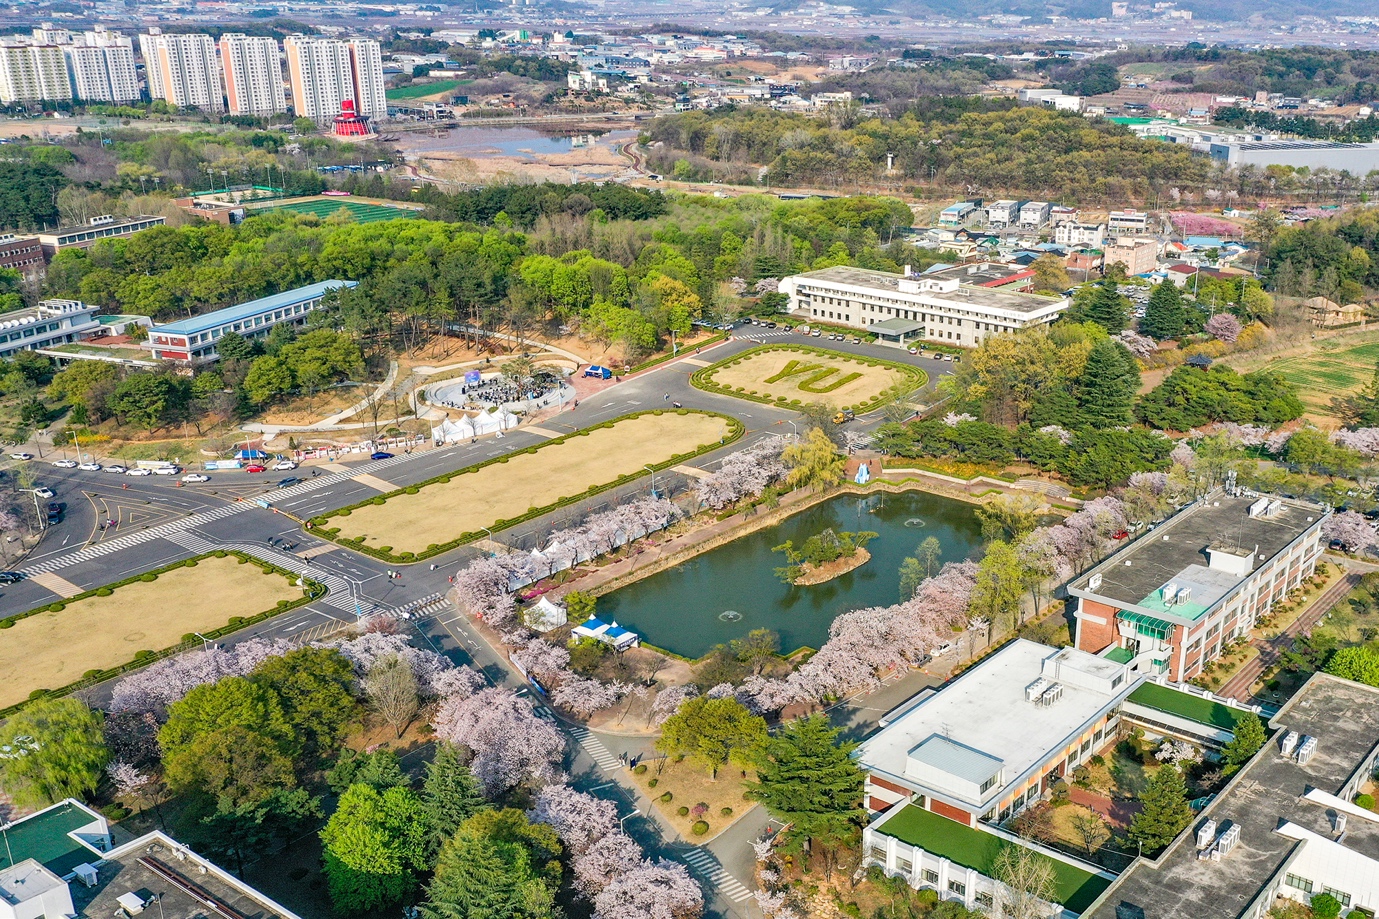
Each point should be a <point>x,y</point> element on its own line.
<point>901,309</point>
<point>326,71</point>
<point>32,72</point>
<point>100,65</point>
<point>182,70</point>
<point>1002,213</point>
<point>1129,222</point>
<point>253,75</point>
<point>52,322</point>
<point>1090,235</point>
<point>1034,214</point>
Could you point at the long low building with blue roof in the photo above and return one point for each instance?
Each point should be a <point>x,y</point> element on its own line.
<point>194,340</point>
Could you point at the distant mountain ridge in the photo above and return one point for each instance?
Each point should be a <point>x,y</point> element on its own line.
<point>1211,10</point>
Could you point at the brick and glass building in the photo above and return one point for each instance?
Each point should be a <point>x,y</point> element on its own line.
<point>902,308</point>
<point>24,254</point>
<point>194,340</point>
<point>1167,602</point>
<point>86,235</point>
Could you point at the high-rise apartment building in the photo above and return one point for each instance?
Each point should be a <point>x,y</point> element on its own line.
<point>253,75</point>
<point>326,71</point>
<point>100,66</point>
<point>32,72</point>
<point>182,69</point>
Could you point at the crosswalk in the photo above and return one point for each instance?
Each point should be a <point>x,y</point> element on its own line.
<point>167,530</point>
<point>702,862</point>
<point>595,748</point>
<point>426,606</point>
<point>759,334</point>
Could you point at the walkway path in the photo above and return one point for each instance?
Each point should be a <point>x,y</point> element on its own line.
<point>1271,649</point>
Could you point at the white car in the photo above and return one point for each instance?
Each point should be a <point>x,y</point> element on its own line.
<point>283,465</point>
<point>65,464</point>
<point>139,472</point>
<point>90,467</point>
<point>117,469</point>
<point>44,493</point>
<point>167,470</point>
<point>196,477</point>
<point>940,650</point>
<point>21,456</point>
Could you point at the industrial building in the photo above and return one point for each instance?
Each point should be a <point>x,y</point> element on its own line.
<point>1359,159</point>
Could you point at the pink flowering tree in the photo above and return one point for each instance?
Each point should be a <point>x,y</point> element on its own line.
<point>127,779</point>
<point>1223,326</point>
<point>540,658</point>
<point>605,860</point>
<point>585,696</point>
<point>1362,440</point>
<point>659,890</point>
<point>510,743</point>
<point>1141,346</point>
<point>669,700</point>
<point>1352,530</point>
<point>579,819</point>
<point>745,473</point>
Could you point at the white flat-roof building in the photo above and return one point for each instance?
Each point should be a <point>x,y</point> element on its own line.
<point>52,322</point>
<point>86,235</point>
<point>1002,213</point>
<point>902,309</point>
<point>1034,214</point>
<point>1129,222</point>
<point>1091,235</point>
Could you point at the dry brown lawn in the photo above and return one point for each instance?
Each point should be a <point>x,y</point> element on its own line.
<point>753,372</point>
<point>53,649</point>
<point>310,409</point>
<point>471,501</point>
<point>689,785</point>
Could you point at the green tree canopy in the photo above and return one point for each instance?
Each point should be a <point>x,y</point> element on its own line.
<point>58,752</point>
<point>1360,664</point>
<point>712,732</point>
<point>496,866</point>
<point>314,686</point>
<point>808,779</point>
<point>1249,738</point>
<point>1107,386</point>
<point>1164,316</point>
<point>375,848</point>
<point>1165,814</point>
<point>450,793</point>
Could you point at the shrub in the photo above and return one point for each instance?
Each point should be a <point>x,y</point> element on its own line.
<point>116,812</point>
<point>153,577</point>
<point>726,812</point>
<point>38,693</point>
<point>220,553</point>
<point>682,811</point>
<point>145,655</point>
<point>59,607</point>
<point>667,797</point>
<point>189,563</point>
<point>1365,801</point>
<point>104,591</point>
<point>640,770</point>
<point>699,828</point>
<point>652,783</point>
<point>6,623</point>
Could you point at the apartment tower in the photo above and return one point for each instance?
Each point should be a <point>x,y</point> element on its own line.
<point>253,75</point>
<point>32,72</point>
<point>326,71</point>
<point>182,70</point>
<point>100,65</point>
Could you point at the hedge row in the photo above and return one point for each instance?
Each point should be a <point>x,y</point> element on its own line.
<point>703,378</point>
<point>644,365</point>
<point>314,591</point>
<point>384,553</point>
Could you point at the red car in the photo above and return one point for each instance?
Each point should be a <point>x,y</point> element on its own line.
<point>255,468</point>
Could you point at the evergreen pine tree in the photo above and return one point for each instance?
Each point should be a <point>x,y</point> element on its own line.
<point>1164,317</point>
<point>1360,410</point>
<point>450,794</point>
<point>1166,811</point>
<point>1107,386</point>
<point>1107,308</point>
<point>1249,737</point>
<point>809,780</point>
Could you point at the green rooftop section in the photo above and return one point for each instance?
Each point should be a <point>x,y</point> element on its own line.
<point>1072,886</point>
<point>1129,120</point>
<point>1185,705</point>
<point>1120,655</point>
<point>43,837</point>
<point>124,354</point>
<point>1190,609</point>
<point>359,211</point>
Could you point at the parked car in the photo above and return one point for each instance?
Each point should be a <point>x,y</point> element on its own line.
<point>914,350</point>
<point>195,477</point>
<point>65,464</point>
<point>43,492</point>
<point>284,465</point>
<point>938,650</point>
<point>816,333</point>
<point>11,577</point>
<point>380,455</point>
<point>90,467</point>
<point>138,472</point>
<point>289,482</point>
<point>54,512</point>
<point>21,456</point>
<point>117,469</point>
<point>167,470</point>
<point>255,467</point>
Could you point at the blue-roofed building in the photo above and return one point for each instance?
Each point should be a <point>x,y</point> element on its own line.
<point>610,633</point>
<point>193,340</point>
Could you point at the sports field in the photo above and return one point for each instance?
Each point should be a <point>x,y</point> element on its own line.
<point>420,90</point>
<point>1329,370</point>
<point>53,649</point>
<point>360,211</point>
<point>443,511</point>
<point>812,375</point>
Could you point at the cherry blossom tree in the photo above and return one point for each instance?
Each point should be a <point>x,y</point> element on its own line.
<point>1063,435</point>
<point>1243,435</point>
<point>1192,224</point>
<point>953,419</point>
<point>1351,529</point>
<point>1183,455</point>
<point>1363,440</point>
<point>164,682</point>
<point>585,696</point>
<point>132,737</point>
<point>126,778</point>
<point>604,861</point>
<point>509,742</point>
<point>659,890</point>
<point>541,658</point>
<point>485,586</point>
<point>767,286</point>
<point>745,473</point>
<point>1176,752</point>
<point>1277,441</point>
<point>1223,326</point>
<point>366,650</point>
<point>669,700</point>
<point>1137,344</point>
<point>457,682</point>
<point>579,819</point>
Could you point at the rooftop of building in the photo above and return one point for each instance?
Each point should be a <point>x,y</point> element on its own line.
<point>103,225</point>
<point>986,711</point>
<point>964,296</point>
<point>1073,887</point>
<point>217,318</point>
<point>26,880</point>
<point>1176,552</point>
<point>1262,798</point>
<point>46,838</point>
<point>982,273</point>
<point>1187,705</point>
<point>157,866</point>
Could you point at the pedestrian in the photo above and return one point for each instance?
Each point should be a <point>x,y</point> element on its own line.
<point>667,397</point>
<point>452,580</point>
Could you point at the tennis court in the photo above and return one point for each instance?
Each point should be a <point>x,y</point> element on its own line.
<point>361,211</point>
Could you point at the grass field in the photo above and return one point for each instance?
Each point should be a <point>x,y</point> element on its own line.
<point>811,376</point>
<point>361,211</point>
<point>419,90</point>
<point>443,511</point>
<point>52,649</point>
<point>1328,370</point>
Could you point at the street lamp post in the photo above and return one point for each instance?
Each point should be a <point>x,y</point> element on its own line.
<point>794,429</point>
<point>652,470</point>
<point>623,820</point>
<point>206,642</point>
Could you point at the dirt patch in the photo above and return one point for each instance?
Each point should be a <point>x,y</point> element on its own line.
<point>503,491</point>
<point>830,570</point>
<point>689,785</point>
<point>311,409</point>
<point>53,649</point>
<point>815,377</point>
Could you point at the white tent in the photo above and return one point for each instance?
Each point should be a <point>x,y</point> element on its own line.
<point>497,420</point>
<point>545,615</point>
<point>450,432</point>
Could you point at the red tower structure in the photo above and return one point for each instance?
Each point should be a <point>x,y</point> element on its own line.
<point>350,123</point>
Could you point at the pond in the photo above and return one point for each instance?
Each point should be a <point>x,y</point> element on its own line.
<point>725,593</point>
<point>520,142</point>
